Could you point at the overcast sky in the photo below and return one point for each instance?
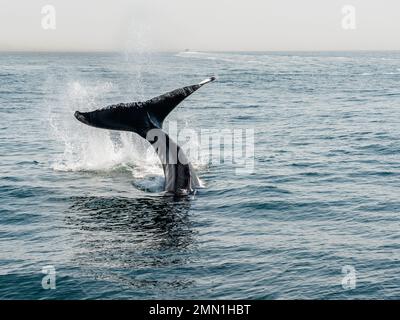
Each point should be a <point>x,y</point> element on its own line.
<point>163,25</point>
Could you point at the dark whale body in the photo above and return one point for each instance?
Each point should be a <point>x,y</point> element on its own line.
<point>146,119</point>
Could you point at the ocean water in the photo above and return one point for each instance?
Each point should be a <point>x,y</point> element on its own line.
<point>322,198</point>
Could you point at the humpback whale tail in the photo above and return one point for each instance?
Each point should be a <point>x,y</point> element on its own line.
<point>139,117</point>
<point>146,119</point>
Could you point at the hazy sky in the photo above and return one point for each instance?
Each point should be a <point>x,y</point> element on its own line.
<point>103,25</point>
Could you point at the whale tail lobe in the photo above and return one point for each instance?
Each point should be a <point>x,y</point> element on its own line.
<point>139,117</point>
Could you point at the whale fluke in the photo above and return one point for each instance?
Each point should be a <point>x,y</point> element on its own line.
<point>141,117</point>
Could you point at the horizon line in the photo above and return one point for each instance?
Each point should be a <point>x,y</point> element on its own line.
<point>193,51</point>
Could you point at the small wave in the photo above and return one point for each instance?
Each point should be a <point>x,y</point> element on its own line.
<point>190,52</point>
<point>377,74</point>
<point>206,56</point>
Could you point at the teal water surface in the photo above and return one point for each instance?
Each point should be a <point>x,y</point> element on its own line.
<point>324,192</point>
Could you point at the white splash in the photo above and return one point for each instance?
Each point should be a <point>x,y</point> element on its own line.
<point>91,149</point>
